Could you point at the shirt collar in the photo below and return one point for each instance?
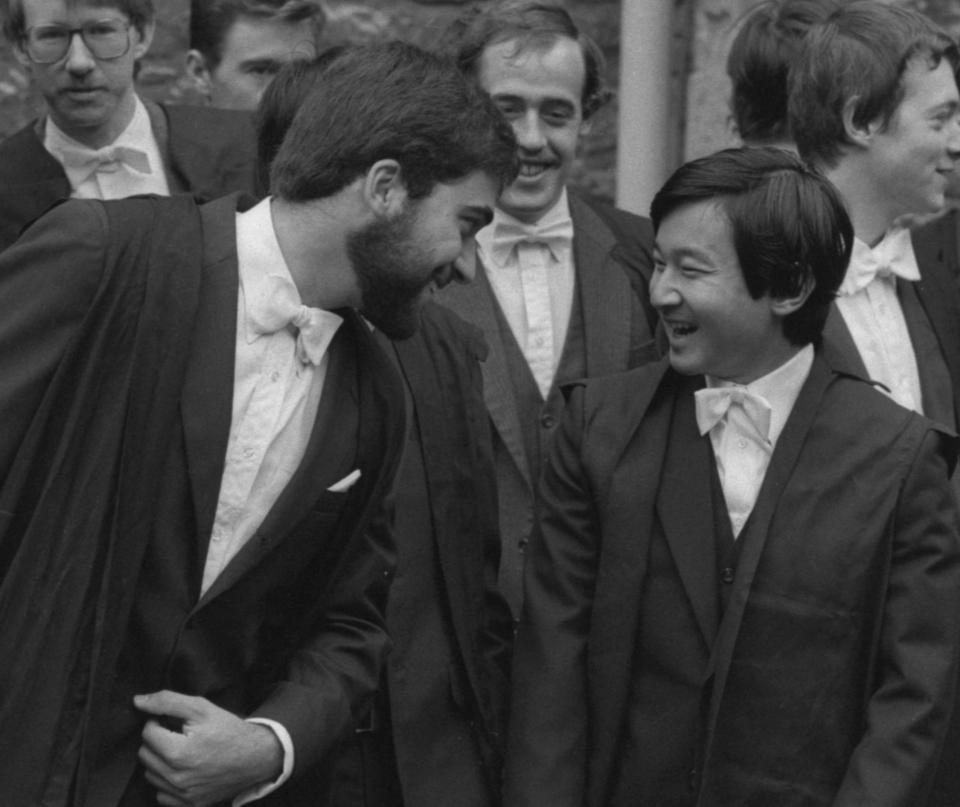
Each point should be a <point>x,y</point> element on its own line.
<point>559,212</point>
<point>895,249</point>
<point>259,258</point>
<point>780,388</point>
<point>138,134</point>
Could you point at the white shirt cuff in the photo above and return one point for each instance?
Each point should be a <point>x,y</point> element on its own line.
<point>260,791</point>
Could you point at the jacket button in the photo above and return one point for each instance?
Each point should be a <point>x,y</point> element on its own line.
<point>727,575</point>
<point>548,421</point>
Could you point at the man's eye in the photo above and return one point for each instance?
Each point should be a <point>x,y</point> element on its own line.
<point>263,69</point>
<point>558,116</point>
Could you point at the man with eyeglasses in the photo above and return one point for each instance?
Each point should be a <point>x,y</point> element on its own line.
<point>99,139</point>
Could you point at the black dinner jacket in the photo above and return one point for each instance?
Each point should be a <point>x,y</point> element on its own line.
<point>828,679</point>
<point>613,259</point>
<point>207,152</point>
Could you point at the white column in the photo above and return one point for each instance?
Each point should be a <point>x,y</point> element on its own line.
<point>642,146</point>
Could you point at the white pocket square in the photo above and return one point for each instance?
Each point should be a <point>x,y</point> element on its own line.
<point>346,483</point>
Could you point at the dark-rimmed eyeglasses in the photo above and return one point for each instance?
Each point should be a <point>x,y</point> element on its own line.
<point>105,39</point>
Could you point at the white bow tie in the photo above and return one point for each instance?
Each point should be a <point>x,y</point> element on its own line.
<point>85,162</point>
<point>714,402</point>
<point>507,234</point>
<point>279,305</point>
<point>892,257</point>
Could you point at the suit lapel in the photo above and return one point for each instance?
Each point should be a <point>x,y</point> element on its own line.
<point>686,479</point>
<point>424,389</point>
<point>475,303</point>
<point>754,536</point>
<point>938,292</point>
<point>207,401</point>
<point>604,291</point>
<point>31,180</point>
<point>330,455</point>
<point>633,444</point>
<point>839,349</point>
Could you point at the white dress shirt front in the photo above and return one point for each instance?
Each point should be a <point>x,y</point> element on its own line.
<point>871,309</point>
<point>118,179</point>
<point>534,285</point>
<point>275,400</point>
<point>742,456</point>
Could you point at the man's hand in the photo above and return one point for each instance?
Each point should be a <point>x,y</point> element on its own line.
<point>213,758</point>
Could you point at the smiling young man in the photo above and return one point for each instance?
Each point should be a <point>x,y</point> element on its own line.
<point>98,138</point>
<point>238,46</point>
<point>746,589</point>
<point>874,104</point>
<point>561,288</point>
<point>200,616</point>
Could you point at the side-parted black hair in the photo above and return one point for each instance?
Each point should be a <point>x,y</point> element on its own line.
<point>860,54</point>
<point>758,64</point>
<point>533,25</point>
<point>140,12</point>
<point>210,20</point>
<point>394,101</point>
<point>789,226</point>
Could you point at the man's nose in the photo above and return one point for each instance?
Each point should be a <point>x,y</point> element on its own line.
<point>953,141</point>
<point>79,57</point>
<point>529,131</point>
<point>662,291</point>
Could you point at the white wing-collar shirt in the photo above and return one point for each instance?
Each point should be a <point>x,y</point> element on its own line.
<point>130,165</point>
<point>740,446</point>
<point>534,283</point>
<point>276,393</point>
<point>871,309</point>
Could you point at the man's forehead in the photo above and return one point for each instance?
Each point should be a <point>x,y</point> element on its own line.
<point>558,61</point>
<point>259,36</point>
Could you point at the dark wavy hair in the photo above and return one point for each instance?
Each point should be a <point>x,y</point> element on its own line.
<point>789,226</point>
<point>391,101</point>
<point>758,64</point>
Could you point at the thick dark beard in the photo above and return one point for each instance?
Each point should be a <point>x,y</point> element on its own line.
<point>386,260</point>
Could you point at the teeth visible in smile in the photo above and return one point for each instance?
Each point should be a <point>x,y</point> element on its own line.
<point>682,329</point>
<point>532,169</point>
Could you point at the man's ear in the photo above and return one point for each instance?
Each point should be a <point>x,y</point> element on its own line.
<point>21,55</point>
<point>198,72</point>
<point>383,188</point>
<point>145,37</point>
<point>857,133</point>
<point>782,306</point>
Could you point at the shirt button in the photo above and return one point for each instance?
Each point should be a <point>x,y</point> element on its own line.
<point>248,453</point>
<point>727,575</point>
<point>742,443</point>
<point>275,376</point>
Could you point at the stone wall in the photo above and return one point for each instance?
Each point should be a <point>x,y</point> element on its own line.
<point>703,30</point>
